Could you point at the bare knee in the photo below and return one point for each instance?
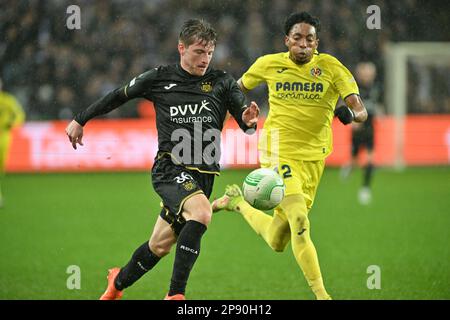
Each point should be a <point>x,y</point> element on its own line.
<point>198,208</point>
<point>204,217</point>
<point>159,248</point>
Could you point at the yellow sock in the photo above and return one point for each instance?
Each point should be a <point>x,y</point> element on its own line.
<point>302,245</point>
<point>319,289</point>
<point>258,220</point>
<point>273,229</point>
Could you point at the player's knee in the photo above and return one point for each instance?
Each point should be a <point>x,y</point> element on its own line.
<point>302,220</point>
<point>277,245</point>
<point>199,209</point>
<point>203,216</point>
<point>159,249</point>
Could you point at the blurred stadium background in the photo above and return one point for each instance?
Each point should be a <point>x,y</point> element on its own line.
<point>93,206</point>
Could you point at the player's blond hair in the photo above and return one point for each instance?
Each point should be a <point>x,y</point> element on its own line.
<point>194,30</point>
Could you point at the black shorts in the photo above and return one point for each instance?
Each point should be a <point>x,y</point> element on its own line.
<point>362,138</point>
<point>175,184</point>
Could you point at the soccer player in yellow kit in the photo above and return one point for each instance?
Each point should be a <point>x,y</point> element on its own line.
<point>11,115</point>
<point>304,86</point>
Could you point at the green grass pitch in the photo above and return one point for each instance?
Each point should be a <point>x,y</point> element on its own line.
<point>95,221</point>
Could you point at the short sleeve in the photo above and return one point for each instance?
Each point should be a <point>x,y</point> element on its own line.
<point>254,75</point>
<point>343,80</point>
<point>140,85</point>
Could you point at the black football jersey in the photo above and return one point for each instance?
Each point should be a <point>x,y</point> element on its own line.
<point>370,96</point>
<point>190,111</point>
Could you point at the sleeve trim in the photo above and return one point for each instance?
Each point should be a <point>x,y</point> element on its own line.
<point>351,95</point>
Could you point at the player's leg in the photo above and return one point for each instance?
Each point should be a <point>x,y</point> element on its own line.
<point>186,196</point>
<point>273,229</point>
<point>302,246</point>
<point>365,193</point>
<point>196,210</point>
<point>296,205</point>
<point>347,169</point>
<point>144,258</point>
<point>369,169</point>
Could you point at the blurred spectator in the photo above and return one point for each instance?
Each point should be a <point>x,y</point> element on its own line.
<point>11,115</point>
<point>119,39</point>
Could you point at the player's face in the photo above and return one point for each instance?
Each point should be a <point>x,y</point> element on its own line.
<point>196,57</point>
<point>365,73</point>
<point>302,42</point>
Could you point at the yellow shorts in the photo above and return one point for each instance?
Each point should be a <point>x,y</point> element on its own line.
<point>300,177</point>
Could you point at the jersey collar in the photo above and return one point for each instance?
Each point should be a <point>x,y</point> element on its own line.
<point>315,54</point>
<point>187,74</point>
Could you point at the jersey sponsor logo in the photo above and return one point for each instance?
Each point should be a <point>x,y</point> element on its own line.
<point>190,113</point>
<point>301,95</point>
<point>192,119</point>
<point>189,109</point>
<point>299,90</point>
<point>316,71</point>
<point>170,86</point>
<point>206,86</point>
<point>183,177</point>
<point>299,86</point>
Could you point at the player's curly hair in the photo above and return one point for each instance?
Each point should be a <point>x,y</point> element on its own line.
<point>194,30</point>
<point>299,17</point>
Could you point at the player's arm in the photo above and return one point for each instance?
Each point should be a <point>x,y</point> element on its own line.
<point>245,116</point>
<point>241,86</point>
<point>136,88</point>
<point>347,87</point>
<point>111,101</point>
<point>354,110</point>
<point>244,90</point>
<point>355,103</point>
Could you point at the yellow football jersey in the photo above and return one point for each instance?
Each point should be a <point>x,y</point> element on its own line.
<point>11,113</point>
<point>302,99</point>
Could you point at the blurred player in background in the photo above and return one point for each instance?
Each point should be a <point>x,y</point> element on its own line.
<point>304,87</point>
<point>11,115</point>
<point>191,101</point>
<point>363,133</point>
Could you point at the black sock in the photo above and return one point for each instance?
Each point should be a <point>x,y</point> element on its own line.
<point>188,249</point>
<point>141,261</point>
<point>368,175</point>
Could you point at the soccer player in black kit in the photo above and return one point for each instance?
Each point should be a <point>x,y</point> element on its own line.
<point>363,133</point>
<point>191,102</point>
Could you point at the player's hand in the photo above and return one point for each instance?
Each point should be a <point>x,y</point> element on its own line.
<point>75,133</point>
<point>250,115</point>
<point>345,114</point>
